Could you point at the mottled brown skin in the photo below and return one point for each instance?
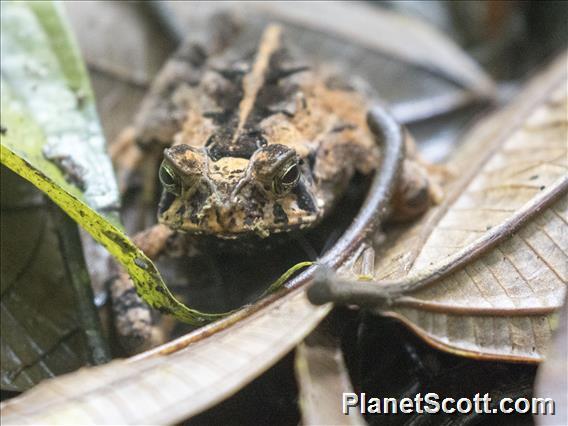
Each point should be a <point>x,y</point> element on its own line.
<point>253,142</point>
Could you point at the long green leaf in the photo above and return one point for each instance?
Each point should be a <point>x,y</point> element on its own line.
<point>51,137</point>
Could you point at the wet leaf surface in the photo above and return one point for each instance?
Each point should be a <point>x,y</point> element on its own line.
<point>41,333</point>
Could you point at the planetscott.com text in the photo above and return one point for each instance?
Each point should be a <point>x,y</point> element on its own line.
<point>432,403</point>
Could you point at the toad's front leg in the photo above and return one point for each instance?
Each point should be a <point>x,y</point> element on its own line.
<point>132,316</point>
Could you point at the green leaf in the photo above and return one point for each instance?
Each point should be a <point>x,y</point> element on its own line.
<point>43,332</point>
<point>51,137</point>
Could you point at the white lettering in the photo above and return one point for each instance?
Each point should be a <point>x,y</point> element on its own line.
<point>393,406</point>
<point>405,405</point>
<point>525,409</point>
<point>374,406</point>
<point>350,399</point>
<point>431,404</point>
<point>461,402</point>
<point>545,406</point>
<point>503,408</point>
<point>486,403</point>
<point>418,401</point>
<point>432,400</point>
<point>445,408</point>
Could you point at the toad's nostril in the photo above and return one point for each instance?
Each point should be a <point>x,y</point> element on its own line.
<point>225,216</point>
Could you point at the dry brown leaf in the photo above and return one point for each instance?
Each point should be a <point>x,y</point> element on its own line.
<point>483,272</point>
<point>322,378</point>
<point>499,304</point>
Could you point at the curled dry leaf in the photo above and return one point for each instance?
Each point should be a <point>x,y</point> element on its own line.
<point>322,378</point>
<point>481,274</point>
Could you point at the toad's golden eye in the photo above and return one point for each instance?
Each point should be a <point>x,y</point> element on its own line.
<point>286,180</point>
<point>170,179</point>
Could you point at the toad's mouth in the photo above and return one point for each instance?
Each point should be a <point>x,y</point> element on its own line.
<point>258,229</point>
<point>205,214</point>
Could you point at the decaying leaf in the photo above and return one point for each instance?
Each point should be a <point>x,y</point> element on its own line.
<point>322,378</point>
<point>482,274</point>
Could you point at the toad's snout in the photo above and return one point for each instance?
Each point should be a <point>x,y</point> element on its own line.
<point>226,216</point>
<point>239,215</point>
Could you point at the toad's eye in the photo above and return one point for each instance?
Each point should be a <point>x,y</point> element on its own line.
<point>169,179</point>
<point>286,180</point>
